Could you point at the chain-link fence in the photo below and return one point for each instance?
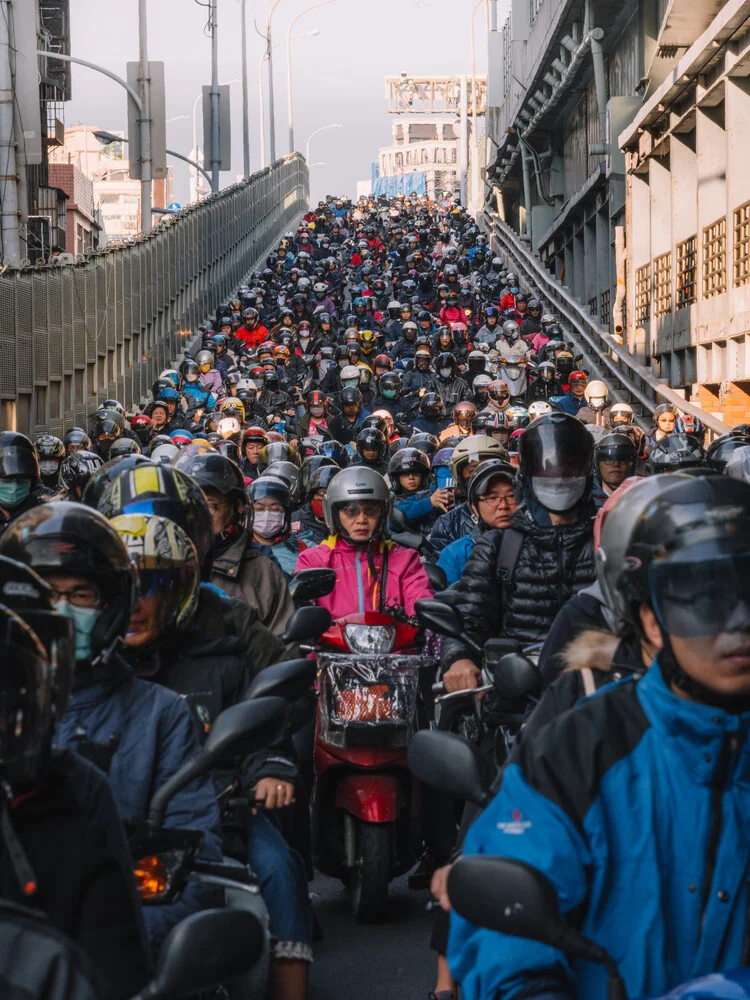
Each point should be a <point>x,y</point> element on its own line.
<point>75,335</point>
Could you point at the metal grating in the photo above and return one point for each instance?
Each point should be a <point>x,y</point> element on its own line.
<point>7,339</point>
<point>715,258</point>
<point>593,306</point>
<point>643,294</point>
<point>66,319</point>
<point>54,295</point>
<point>40,321</point>
<point>605,311</point>
<point>741,219</point>
<point>663,284</point>
<point>686,280</point>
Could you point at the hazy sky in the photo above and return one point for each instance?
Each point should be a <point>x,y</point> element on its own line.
<point>338,75</point>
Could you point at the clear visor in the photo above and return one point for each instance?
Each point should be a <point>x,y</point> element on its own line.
<point>702,598</point>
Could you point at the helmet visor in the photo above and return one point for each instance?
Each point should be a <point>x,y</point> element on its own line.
<point>714,600</point>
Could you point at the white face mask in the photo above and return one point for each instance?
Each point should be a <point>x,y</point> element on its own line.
<point>317,411</point>
<point>558,494</point>
<point>446,372</point>
<point>269,523</point>
<point>48,468</point>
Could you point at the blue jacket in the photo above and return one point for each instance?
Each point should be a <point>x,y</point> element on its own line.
<point>154,734</point>
<point>636,806</point>
<point>570,404</point>
<point>416,508</point>
<point>448,527</point>
<point>454,557</point>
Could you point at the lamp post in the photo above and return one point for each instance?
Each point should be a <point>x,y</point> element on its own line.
<point>106,137</point>
<point>269,51</point>
<point>290,112</point>
<point>474,128</point>
<point>262,111</point>
<point>245,97</point>
<point>144,123</point>
<point>321,129</point>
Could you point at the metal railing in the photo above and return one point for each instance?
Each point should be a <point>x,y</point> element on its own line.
<point>105,326</point>
<point>626,378</point>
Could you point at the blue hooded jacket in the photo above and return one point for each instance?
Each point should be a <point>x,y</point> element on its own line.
<point>636,806</point>
<point>154,734</point>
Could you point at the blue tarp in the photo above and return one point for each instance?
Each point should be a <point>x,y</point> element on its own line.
<point>406,184</point>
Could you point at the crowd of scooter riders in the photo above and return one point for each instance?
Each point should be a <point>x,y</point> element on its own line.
<point>387,399</point>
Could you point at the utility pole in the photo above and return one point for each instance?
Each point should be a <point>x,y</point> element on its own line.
<point>245,98</point>
<point>9,207</point>
<point>215,147</point>
<point>144,124</point>
<point>463,149</point>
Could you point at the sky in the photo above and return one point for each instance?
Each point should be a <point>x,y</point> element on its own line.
<point>338,75</point>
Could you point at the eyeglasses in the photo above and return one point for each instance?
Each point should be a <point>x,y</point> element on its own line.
<point>370,508</point>
<point>83,596</point>
<point>495,501</point>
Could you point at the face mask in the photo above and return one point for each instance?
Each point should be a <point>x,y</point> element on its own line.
<point>205,368</point>
<point>269,523</point>
<point>317,411</point>
<point>558,494</point>
<point>48,468</point>
<point>14,491</point>
<point>192,377</point>
<point>351,383</point>
<point>84,620</point>
<point>389,393</point>
<point>316,506</point>
<point>446,372</point>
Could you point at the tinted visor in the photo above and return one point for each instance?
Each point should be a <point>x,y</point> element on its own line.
<point>705,597</point>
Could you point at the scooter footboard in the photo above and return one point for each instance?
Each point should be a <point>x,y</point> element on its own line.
<point>372,798</point>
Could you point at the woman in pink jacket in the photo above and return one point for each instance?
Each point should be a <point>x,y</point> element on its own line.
<point>372,574</point>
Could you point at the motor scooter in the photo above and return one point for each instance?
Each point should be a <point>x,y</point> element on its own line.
<point>516,374</point>
<point>365,806</point>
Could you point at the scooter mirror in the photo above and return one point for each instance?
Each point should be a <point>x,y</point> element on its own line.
<point>307,624</point>
<point>398,520</point>
<point>291,680</point>
<point>509,896</point>
<point>439,617</point>
<point>311,583</point>
<point>436,576</point>
<point>190,962</point>
<point>515,675</point>
<point>445,761</point>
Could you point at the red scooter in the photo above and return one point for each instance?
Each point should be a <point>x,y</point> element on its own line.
<point>365,808</point>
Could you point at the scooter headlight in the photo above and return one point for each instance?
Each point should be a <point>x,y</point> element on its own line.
<point>370,638</point>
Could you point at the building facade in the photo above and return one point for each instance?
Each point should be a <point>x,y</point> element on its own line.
<point>81,226</point>
<point>426,146</point>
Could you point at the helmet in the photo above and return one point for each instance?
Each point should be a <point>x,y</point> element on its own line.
<point>310,465</point>
<point>538,408</point>
<point>376,421</point>
<point>136,485</point>
<point>204,360</point>
<point>517,416</point>
<point>612,530</point>
<point>688,559</point>
<point>511,331</point>
<point>719,451</point>
<point>408,460</point>
<point>69,538</point>
<point>673,452</point>
<point>77,469</point>
<point>738,466</point>
<point>122,447</point>
<point>166,564</point>
<point>688,424</point>
<point>18,457</point>
<point>485,472</point>
<point>473,450</point>
<point>463,414</point>
<point>616,448</point>
<point>596,394</point>
<point>48,447</point>
<point>273,488</point>
<point>233,408</point>
<point>353,485</point>
<point>445,365</point>
<point>288,473</point>
<point>277,451</point>
<point>213,471</point>
<point>349,396</point>
<point>390,385</point>
<point>371,439</point>
<point>320,479</point>
<point>425,442</point>
<point>228,427</point>
<point>621,414</point>
<point>476,362</point>
<point>77,440</point>
<point>336,451</point>
<point>349,374</point>
<point>164,453</point>
<point>114,404</point>
<point>556,453</point>
<point>431,405</point>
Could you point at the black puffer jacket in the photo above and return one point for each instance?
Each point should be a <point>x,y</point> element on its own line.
<point>448,527</point>
<point>553,564</point>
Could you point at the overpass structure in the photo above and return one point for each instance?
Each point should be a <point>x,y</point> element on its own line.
<point>75,334</point>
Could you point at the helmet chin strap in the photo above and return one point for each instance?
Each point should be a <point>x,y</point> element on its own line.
<point>676,677</point>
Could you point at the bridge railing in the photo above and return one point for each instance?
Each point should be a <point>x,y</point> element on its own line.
<point>74,335</point>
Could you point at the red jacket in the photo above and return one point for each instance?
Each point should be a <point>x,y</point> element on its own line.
<point>253,338</point>
<point>508,301</point>
<point>452,314</point>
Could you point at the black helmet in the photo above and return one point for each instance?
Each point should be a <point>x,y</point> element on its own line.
<point>70,538</point>
<point>405,461</point>
<point>445,365</point>
<point>26,715</point>
<point>135,485</point>
<point>77,440</point>
<point>485,472</point>
<point>77,469</point>
<point>616,448</point>
<point>310,465</point>
<point>390,382</point>
<point>371,439</point>
<point>277,451</point>
<point>689,559</point>
<point>122,447</point>
<point>425,442</point>
<point>719,451</point>
<point>213,471</point>
<point>674,452</point>
<point>18,457</point>
<point>556,453</point>
<point>350,395</point>
<point>431,405</point>
<point>320,479</point>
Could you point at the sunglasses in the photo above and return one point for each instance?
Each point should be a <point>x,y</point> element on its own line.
<point>370,508</point>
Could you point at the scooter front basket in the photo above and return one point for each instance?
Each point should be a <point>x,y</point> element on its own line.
<point>368,699</point>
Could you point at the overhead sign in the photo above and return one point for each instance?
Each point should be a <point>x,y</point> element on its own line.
<point>158,121</point>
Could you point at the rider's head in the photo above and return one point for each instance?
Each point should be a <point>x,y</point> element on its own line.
<point>615,459</point>
<point>491,493</point>
<point>555,460</point>
<point>224,488</point>
<point>687,572</point>
<point>357,505</point>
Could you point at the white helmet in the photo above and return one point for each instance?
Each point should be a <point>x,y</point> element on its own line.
<point>622,413</point>
<point>538,408</point>
<point>164,453</point>
<point>349,372</point>
<point>596,394</point>
<point>481,381</point>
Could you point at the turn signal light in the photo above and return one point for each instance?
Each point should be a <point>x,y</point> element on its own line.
<point>151,877</point>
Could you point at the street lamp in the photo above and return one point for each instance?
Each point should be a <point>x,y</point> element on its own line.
<point>105,138</point>
<point>290,113</point>
<point>321,129</point>
<point>262,115</point>
<point>475,134</point>
<point>269,51</point>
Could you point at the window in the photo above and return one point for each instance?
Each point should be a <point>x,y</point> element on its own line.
<point>715,258</point>
<point>643,294</point>
<point>605,311</point>
<point>534,8</point>
<point>686,290</point>
<point>593,306</point>
<point>663,284</point>
<point>742,244</point>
